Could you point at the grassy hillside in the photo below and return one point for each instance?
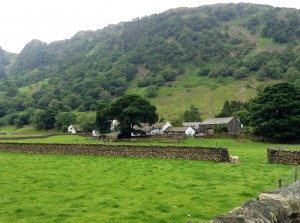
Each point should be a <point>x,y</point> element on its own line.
<point>208,94</point>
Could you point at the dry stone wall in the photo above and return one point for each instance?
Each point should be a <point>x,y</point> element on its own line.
<point>278,206</point>
<point>168,152</point>
<point>284,156</point>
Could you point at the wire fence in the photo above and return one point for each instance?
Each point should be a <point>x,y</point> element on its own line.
<point>291,177</point>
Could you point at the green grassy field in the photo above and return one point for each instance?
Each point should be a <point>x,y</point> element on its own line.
<point>65,188</point>
<point>56,139</point>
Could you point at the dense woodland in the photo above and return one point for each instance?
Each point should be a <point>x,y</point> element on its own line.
<point>74,75</point>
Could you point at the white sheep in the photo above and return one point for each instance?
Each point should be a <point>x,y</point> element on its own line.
<point>234,159</point>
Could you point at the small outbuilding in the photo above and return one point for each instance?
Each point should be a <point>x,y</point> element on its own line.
<point>74,129</point>
<point>189,131</point>
<point>194,125</point>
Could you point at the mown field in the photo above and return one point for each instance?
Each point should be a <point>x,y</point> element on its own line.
<point>57,188</point>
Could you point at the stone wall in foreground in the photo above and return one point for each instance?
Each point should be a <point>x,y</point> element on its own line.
<point>168,152</point>
<point>284,156</point>
<point>278,206</point>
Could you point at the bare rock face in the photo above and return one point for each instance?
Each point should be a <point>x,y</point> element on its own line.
<point>279,206</point>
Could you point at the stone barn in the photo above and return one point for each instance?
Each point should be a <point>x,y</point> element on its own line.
<point>231,125</point>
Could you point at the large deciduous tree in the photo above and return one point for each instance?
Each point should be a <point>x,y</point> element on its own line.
<point>275,112</point>
<point>44,119</point>
<point>102,117</point>
<point>48,119</point>
<point>131,110</point>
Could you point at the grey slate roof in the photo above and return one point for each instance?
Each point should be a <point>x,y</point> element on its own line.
<point>176,129</point>
<point>159,125</point>
<point>191,124</point>
<point>147,127</point>
<point>217,121</point>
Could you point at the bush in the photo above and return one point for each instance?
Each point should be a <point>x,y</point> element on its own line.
<point>64,128</point>
<point>220,129</point>
<point>151,92</point>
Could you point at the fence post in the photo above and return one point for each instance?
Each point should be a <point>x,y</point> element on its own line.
<point>279,181</point>
<point>296,172</point>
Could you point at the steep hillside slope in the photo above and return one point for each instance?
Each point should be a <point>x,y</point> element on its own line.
<point>203,55</point>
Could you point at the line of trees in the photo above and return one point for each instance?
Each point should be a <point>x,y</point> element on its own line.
<point>273,113</point>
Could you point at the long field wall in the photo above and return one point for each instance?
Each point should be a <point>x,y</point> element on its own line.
<point>284,156</point>
<point>168,152</point>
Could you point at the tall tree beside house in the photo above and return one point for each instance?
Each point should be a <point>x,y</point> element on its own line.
<point>132,110</point>
<point>192,114</point>
<point>275,112</point>
<point>102,121</point>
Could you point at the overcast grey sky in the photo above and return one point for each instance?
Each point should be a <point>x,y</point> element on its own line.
<point>50,20</point>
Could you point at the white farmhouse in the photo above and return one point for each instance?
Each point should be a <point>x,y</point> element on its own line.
<point>74,129</point>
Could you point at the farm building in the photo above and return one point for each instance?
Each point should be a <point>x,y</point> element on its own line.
<point>189,131</point>
<point>156,129</point>
<point>74,129</point>
<point>194,125</point>
<point>229,124</point>
<point>114,125</point>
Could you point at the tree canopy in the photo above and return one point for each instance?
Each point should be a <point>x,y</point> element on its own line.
<point>229,108</point>
<point>102,117</point>
<point>275,112</point>
<point>192,114</point>
<point>132,110</point>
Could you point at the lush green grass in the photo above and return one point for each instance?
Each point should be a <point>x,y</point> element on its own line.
<point>11,130</point>
<point>56,139</point>
<point>8,129</point>
<point>57,188</point>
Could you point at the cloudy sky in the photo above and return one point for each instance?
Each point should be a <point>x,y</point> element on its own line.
<point>50,20</point>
